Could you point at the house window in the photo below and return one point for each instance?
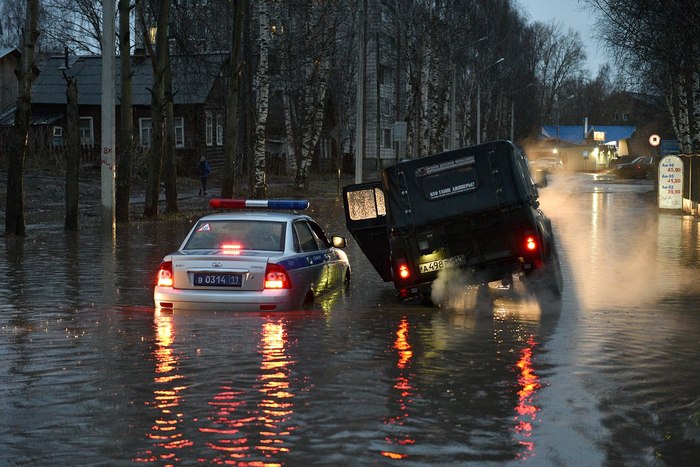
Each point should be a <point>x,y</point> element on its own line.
<point>57,136</point>
<point>386,106</point>
<point>179,127</point>
<point>210,128</point>
<point>87,137</point>
<point>386,138</point>
<point>625,117</point>
<point>219,129</point>
<point>145,131</point>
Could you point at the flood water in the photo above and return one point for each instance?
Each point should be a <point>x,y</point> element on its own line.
<point>91,374</point>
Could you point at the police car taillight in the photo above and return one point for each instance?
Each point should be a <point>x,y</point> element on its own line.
<point>165,274</point>
<point>228,203</point>
<point>276,277</point>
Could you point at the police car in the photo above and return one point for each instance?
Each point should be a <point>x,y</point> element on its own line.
<point>252,260</point>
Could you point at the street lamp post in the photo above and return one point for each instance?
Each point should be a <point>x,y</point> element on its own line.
<point>512,110</point>
<point>478,100</point>
<point>556,148</point>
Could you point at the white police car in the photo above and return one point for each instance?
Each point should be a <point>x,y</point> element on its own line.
<point>252,260</point>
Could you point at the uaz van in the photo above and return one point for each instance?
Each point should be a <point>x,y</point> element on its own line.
<point>475,209</point>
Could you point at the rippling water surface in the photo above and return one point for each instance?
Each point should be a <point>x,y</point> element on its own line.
<point>90,373</point>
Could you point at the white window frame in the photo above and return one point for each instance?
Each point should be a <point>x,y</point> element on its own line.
<point>179,129</point>
<point>145,132</point>
<point>219,130</point>
<point>209,128</point>
<point>87,133</point>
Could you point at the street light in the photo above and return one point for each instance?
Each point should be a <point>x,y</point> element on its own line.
<point>556,148</point>
<point>478,99</point>
<point>512,110</point>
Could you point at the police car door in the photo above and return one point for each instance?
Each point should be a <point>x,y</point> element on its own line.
<point>315,273</point>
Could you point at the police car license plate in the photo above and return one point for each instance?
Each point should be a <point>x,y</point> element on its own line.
<point>439,264</point>
<point>224,280</point>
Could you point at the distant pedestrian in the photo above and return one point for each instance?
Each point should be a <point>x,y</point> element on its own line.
<point>203,169</point>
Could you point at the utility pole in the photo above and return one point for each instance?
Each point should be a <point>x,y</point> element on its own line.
<point>107,135</point>
<point>360,104</point>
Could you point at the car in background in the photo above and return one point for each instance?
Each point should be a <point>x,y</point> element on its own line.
<point>547,164</point>
<point>252,260</point>
<point>643,167</point>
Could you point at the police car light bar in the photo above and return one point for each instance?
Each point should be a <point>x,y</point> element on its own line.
<point>228,203</point>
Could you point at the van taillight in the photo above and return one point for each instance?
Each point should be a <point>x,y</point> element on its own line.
<point>402,269</point>
<point>165,274</point>
<point>276,277</point>
<point>530,243</point>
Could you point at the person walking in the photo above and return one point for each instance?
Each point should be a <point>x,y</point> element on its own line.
<point>203,169</point>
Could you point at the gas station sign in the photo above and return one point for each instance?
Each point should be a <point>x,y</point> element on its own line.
<point>671,183</point>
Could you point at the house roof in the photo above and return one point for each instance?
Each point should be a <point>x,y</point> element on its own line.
<point>575,134</point>
<point>193,78</point>
<point>7,51</point>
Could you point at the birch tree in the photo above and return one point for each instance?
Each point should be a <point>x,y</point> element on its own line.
<point>658,42</point>
<point>307,46</point>
<point>261,86</point>
<point>14,212</point>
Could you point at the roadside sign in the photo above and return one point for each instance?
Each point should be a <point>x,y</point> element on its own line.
<point>671,183</point>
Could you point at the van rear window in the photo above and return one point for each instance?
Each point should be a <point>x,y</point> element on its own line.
<point>454,178</point>
<point>366,204</point>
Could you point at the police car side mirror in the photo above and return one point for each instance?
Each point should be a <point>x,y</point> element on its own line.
<point>339,242</point>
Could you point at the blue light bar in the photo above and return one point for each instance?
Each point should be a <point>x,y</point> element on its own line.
<point>227,203</point>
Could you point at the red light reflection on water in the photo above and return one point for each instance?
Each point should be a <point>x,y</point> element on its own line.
<point>244,430</point>
<point>404,391</point>
<point>166,431</point>
<point>526,411</point>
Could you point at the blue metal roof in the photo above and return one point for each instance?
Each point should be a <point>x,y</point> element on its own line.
<point>574,134</point>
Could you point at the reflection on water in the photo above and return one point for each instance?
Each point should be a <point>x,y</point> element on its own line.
<point>526,411</point>
<point>167,432</point>
<point>403,394</point>
<point>90,374</point>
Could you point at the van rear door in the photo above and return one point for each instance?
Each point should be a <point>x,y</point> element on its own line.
<point>365,217</point>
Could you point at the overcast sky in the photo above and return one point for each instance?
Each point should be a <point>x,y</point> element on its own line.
<point>574,14</point>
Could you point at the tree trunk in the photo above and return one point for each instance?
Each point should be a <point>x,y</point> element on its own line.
<point>683,122</point>
<point>261,85</point>
<point>695,100</point>
<point>155,156</point>
<point>72,155</point>
<point>228,181</point>
<point>14,211</point>
<point>312,129</point>
<point>126,119</point>
<point>169,162</point>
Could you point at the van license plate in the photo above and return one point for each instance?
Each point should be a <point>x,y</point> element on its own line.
<point>433,266</point>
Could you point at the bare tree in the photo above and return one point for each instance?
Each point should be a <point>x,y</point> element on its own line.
<point>72,153</point>
<point>658,43</point>
<point>126,137</point>
<point>261,86</point>
<point>228,181</point>
<point>14,218</point>
<point>159,61</point>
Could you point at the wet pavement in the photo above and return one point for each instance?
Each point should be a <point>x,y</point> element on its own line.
<point>91,374</point>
